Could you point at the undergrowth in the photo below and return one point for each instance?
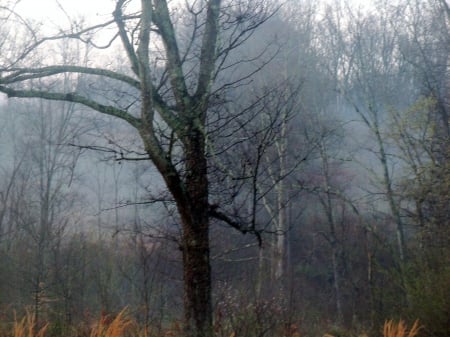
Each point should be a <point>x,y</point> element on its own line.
<point>122,325</point>
<point>392,329</point>
<point>27,327</point>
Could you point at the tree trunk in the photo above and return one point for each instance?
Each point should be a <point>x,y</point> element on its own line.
<point>337,283</point>
<point>197,280</point>
<point>195,241</point>
<point>390,196</point>
<point>327,203</point>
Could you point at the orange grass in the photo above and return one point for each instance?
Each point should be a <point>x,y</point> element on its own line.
<point>392,329</point>
<point>122,326</point>
<point>26,327</point>
<point>119,326</point>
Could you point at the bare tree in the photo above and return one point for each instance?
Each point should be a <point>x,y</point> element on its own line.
<point>172,78</point>
<point>368,70</point>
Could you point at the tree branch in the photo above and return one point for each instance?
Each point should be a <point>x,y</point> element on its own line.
<point>162,20</point>
<point>208,52</point>
<point>23,74</point>
<point>75,98</point>
<point>216,214</point>
<point>118,18</point>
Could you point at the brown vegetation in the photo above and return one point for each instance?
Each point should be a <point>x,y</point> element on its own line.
<point>122,325</point>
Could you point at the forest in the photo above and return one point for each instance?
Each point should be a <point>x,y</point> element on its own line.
<point>227,168</point>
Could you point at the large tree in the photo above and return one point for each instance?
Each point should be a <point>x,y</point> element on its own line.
<point>174,60</point>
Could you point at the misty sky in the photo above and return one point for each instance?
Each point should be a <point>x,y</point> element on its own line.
<point>52,10</point>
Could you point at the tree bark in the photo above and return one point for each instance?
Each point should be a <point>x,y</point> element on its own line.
<point>195,241</point>
<point>197,279</point>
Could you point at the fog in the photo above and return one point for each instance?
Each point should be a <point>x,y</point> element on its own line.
<point>270,168</point>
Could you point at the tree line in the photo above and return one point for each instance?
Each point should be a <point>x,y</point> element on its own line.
<point>245,165</point>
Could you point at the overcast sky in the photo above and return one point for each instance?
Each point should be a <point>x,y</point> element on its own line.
<point>51,10</point>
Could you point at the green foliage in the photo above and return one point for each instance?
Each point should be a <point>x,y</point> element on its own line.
<point>425,189</point>
<point>425,184</point>
<point>428,292</point>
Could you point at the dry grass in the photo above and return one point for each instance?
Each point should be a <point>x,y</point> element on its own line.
<point>26,327</point>
<point>119,326</point>
<point>392,329</point>
<point>123,326</point>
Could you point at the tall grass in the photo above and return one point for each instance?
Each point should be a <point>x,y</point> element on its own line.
<point>27,327</point>
<point>123,326</point>
<point>119,326</point>
<point>392,329</point>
